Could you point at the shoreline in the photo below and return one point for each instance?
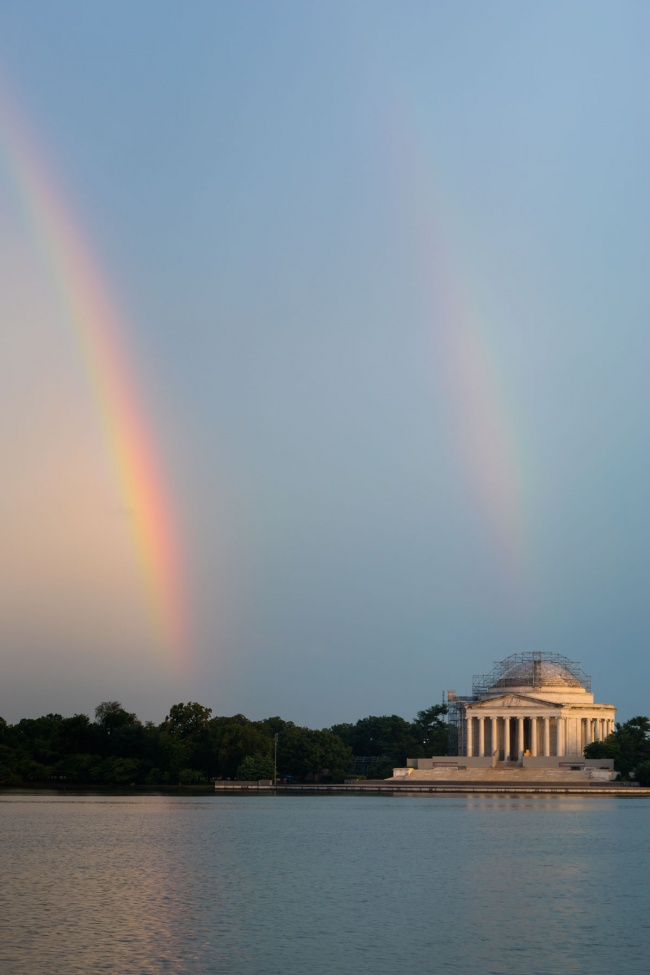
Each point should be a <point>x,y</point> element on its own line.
<point>369,788</point>
<point>439,788</point>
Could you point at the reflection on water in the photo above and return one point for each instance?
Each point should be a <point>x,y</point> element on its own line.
<point>264,884</point>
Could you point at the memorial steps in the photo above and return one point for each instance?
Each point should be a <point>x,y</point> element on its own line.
<point>503,773</point>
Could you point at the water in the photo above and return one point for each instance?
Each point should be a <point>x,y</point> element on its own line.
<point>264,885</point>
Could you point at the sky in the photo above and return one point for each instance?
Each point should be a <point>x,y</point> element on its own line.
<point>323,352</point>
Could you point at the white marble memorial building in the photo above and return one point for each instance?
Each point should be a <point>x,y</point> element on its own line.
<point>530,705</point>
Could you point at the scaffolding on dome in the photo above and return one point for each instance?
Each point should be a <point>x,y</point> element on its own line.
<point>481,684</point>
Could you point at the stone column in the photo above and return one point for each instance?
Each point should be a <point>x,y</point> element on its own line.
<point>495,735</point>
<point>481,737</point>
<point>577,736</point>
<point>469,738</point>
<point>506,738</point>
<point>547,737</point>
<point>588,735</point>
<point>561,729</point>
<point>520,737</point>
<point>533,736</point>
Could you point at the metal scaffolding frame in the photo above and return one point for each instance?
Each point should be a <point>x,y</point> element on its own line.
<point>483,683</point>
<point>456,705</point>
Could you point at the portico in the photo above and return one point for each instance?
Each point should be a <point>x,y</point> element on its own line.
<point>532,705</point>
<point>513,726</point>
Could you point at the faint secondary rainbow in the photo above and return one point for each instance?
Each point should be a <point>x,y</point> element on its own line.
<point>483,427</point>
<point>97,327</point>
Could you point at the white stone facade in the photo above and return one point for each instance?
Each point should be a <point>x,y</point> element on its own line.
<point>539,706</point>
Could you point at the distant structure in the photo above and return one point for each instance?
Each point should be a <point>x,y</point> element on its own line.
<point>531,705</point>
<point>526,724</point>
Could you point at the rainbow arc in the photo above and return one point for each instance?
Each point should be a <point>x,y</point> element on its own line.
<point>98,329</point>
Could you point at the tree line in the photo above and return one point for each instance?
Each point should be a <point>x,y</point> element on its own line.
<point>191,746</point>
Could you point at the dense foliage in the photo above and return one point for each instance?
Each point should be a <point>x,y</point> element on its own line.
<point>191,746</point>
<point>629,746</point>
<point>392,739</point>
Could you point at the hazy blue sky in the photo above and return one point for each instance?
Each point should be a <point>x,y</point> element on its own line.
<point>381,274</point>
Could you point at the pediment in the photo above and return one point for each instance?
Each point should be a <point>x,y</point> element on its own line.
<point>514,701</point>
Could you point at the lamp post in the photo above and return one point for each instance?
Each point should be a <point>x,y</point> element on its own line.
<point>275,760</point>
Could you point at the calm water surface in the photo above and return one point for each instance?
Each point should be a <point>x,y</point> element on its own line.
<point>320,885</point>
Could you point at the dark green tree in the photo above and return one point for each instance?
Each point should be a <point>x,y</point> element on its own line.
<point>38,745</point>
<point>255,767</point>
<point>273,726</point>
<point>432,731</point>
<point>629,745</point>
<point>306,753</point>
<point>643,774</point>
<point>120,734</point>
<point>233,740</point>
<point>188,721</point>
<point>9,766</point>
<point>387,738</point>
<point>78,735</point>
<point>185,740</point>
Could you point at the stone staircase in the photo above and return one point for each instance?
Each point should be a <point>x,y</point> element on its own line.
<point>510,774</point>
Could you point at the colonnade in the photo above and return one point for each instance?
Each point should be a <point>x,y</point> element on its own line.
<point>549,735</point>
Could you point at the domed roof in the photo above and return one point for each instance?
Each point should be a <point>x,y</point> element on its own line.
<point>534,670</point>
<point>537,673</point>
